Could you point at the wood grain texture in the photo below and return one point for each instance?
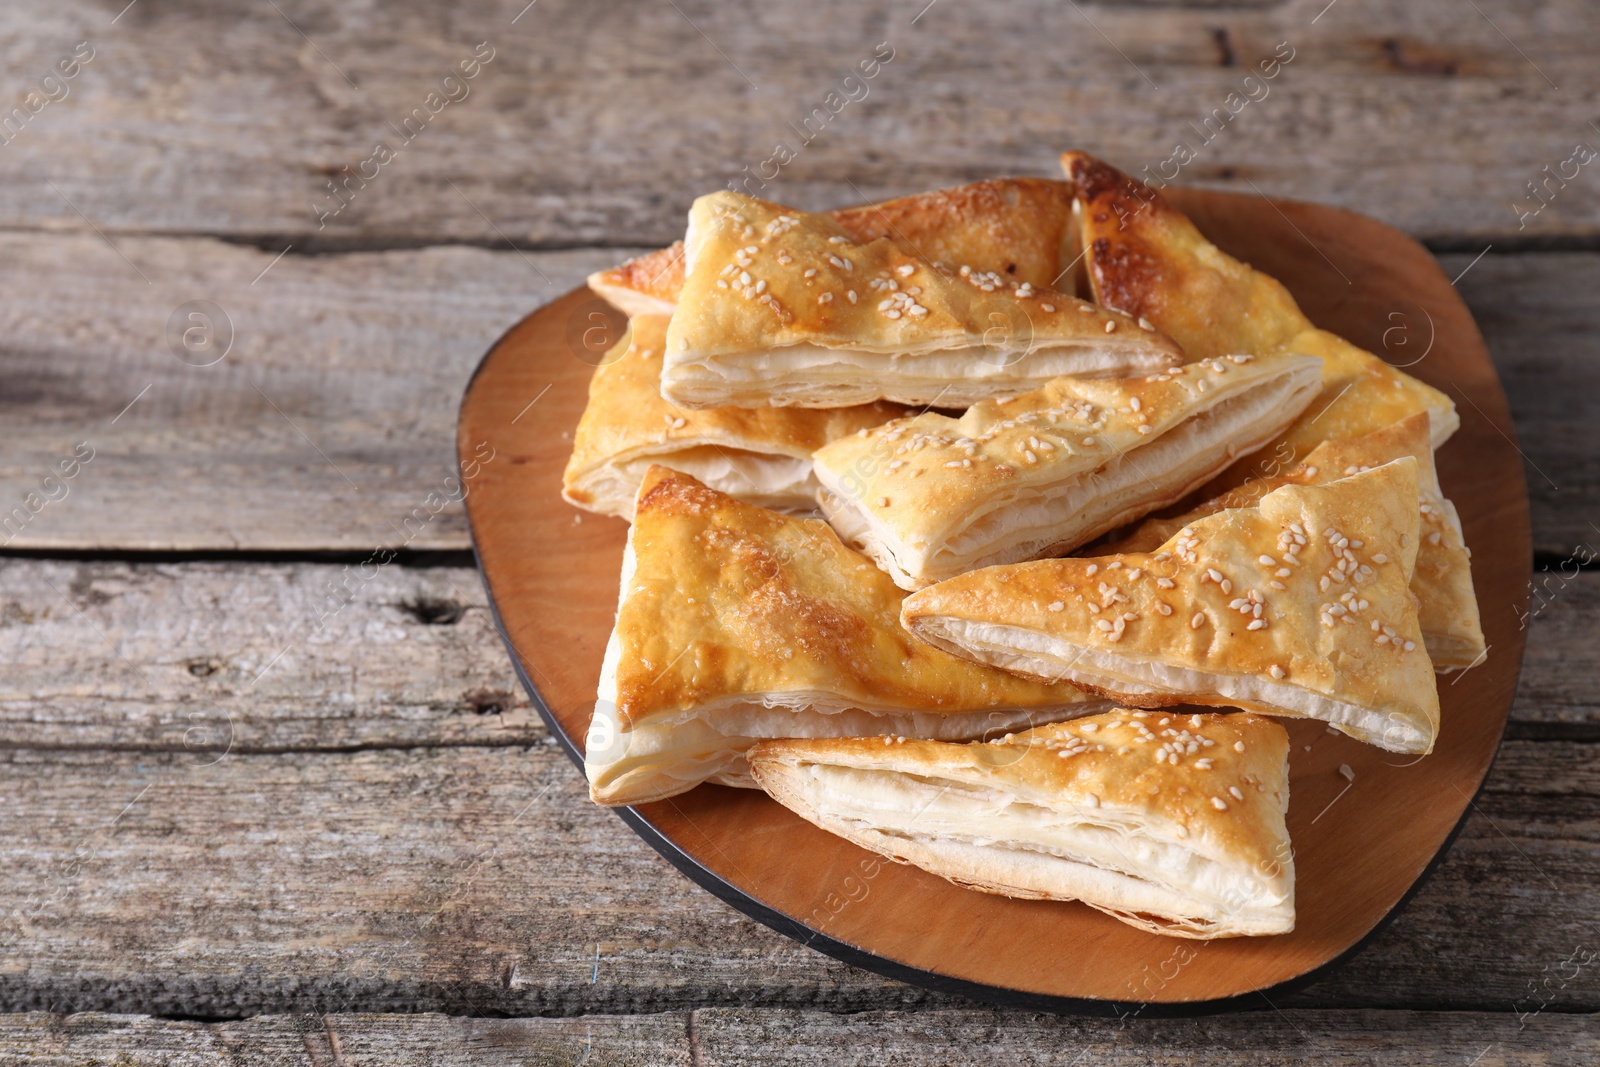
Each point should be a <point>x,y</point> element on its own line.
<point>367,355</point>
<point>327,425</point>
<point>1544,332</point>
<point>712,1037</point>
<point>176,657</point>
<point>40,1040</point>
<point>1421,114</point>
<point>212,657</point>
<point>482,881</point>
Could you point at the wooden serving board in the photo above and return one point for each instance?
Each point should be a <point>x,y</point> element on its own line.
<point>1361,847</point>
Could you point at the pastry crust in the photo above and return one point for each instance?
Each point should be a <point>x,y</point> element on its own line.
<point>761,455</point>
<point>1017,227</point>
<point>1299,606</point>
<point>1145,257</point>
<point>1169,821</point>
<point>1447,606</point>
<point>929,497</point>
<point>736,623</point>
<point>781,307</point>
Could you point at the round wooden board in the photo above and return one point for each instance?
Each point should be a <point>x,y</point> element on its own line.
<point>1360,847</point>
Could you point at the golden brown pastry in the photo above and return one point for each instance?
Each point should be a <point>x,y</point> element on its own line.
<point>781,307</point>
<point>1447,607</point>
<point>762,455</point>
<point>1146,258</point>
<point>930,496</point>
<point>1016,227</point>
<point>1171,822</point>
<point>736,623</point>
<point>1299,606</point>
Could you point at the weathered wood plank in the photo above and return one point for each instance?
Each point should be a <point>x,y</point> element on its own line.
<point>352,366</point>
<point>584,127</point>
<point>40,1040</point>
<point>329,424</point>
<point>251,657</point>
<point>1272,1039</point>
<point>482,881</point>
<point>207,657</point>
<point>1543,329</point>
<point>715,1036</point>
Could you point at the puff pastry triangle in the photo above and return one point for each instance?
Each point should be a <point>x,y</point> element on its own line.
<point>1145,257</point>
<point>1017,227</point>
<point>1171,822</point>
<point>781,307</point>
<point>1299,606</point>
<point>736,623</point>
<point>931,496</point>
<point>762,455</point>
<point>1447,606</point>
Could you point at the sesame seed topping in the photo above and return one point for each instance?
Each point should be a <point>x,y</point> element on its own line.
<point>1219,804</point>
<point>1238,746</point>
<point>1235,791</point>
<point>1111,326</point>
<point>1198,620</point>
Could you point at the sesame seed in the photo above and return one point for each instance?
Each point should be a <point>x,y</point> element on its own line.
<point>1238,746</point>
<point>1345,771</point>
<point>1198,620</point>
<point>1047,307</point>
<point>1276,671</point>
<point>1219,804</point>
<point>883,501</point>
<point>1144,323</point>
<point>1235,791</point>
<point>1111,326</point>
<point>1379,557</point>
<point>1056,605</point>
<point>1258,624</point>
<point>1092,800</point>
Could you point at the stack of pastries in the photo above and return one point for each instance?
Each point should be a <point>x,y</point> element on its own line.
<point>949,532</point>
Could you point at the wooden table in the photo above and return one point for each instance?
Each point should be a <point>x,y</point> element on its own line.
<point>268,802</point>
